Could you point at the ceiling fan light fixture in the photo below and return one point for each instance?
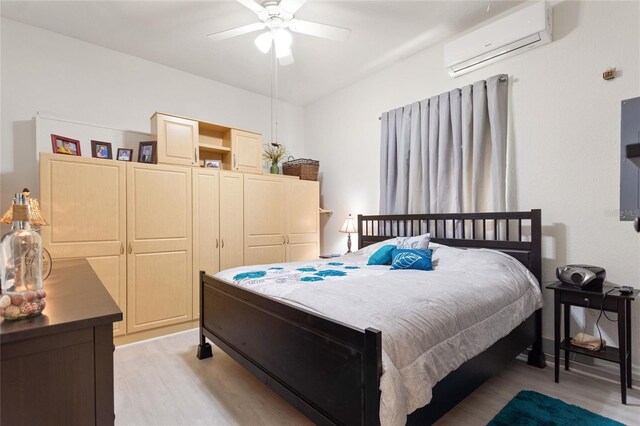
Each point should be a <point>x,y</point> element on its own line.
<point>282,52</point>
<point>282,38</point>
<point>264,42</point>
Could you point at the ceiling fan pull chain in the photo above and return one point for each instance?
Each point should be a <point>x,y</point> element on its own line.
<point>271,62</point>
<point>276,98</point>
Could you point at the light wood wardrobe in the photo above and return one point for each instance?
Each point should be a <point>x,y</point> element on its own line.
<point>148,229</point>
<point>218,227</point>
<point>133,223</point>
<point>281,219</point>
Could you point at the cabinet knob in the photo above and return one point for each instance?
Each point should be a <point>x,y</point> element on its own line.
<point>283,240</point>
<point>235,163</point>
<point>195,155</point>
<point>222,243</point>
<point>216,243</point>
<point>121,248</point>
<point>130,248</point>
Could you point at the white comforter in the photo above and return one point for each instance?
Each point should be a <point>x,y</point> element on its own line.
<point>431,321</point>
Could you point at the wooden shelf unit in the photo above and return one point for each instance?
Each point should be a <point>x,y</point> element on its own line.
<point>187,141</point>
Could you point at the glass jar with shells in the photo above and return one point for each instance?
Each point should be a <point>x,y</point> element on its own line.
<point>21,266</point>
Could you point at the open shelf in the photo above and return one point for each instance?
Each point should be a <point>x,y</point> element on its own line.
<point>608,354</point>
<point>214,148</point>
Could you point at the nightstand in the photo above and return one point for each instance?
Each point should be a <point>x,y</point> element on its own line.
<point>567,295</point>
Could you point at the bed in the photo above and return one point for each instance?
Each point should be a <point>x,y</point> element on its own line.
<point>327,361</point>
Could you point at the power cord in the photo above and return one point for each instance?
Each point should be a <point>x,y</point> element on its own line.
<point>602,312</point>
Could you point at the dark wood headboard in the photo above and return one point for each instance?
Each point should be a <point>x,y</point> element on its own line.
<point>518,234</point>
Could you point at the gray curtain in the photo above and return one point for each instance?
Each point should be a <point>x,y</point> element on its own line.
<point>447,153</point>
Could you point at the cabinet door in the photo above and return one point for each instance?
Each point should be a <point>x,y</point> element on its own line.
<point>303,220</point>
<point>84,202</point>
<point>264,219</point>
<point>177,139</point>
<point>159,264</point>
<point>246,149</point>
<point>112,271</point>
<point>231,220</point>
<point>206,228</point>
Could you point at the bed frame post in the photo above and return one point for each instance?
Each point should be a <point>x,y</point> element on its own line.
<point>204,348</point>
<point>536,355</point>
<point>372,372</point>
<point>359,231</point>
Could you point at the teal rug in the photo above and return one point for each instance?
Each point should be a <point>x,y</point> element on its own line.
<point>530,408</point>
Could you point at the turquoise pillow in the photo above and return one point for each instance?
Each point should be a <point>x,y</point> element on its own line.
<point>382,256</point>
<point>412,259</point>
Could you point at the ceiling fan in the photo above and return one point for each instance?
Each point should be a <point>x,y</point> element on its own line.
<point>277,17</point>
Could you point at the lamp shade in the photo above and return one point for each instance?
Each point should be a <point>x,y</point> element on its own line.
<point>349,225</point>
<point>35,215</point>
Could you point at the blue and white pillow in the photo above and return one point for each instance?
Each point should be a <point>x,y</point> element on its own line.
<point>421,242</point>
<point>412,259</point>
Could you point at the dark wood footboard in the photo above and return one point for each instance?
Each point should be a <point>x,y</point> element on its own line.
<point>328,370</point>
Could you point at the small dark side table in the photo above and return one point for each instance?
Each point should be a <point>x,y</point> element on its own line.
<point>568,296</point>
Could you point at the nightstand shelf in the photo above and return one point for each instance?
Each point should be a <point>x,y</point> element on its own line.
<point>608,354</point>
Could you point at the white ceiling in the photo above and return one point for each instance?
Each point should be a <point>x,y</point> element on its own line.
<point>173,33</point>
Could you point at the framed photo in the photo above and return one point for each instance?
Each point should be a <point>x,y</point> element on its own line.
<point>147,153</point>
<point>212,164</point>
<point>124,154</point>
<point>101,150</point>
<point>63,145</point>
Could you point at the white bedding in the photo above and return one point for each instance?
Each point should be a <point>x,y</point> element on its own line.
<point>431,321</point>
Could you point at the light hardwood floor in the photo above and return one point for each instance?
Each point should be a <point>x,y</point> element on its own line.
<point>160,382</point>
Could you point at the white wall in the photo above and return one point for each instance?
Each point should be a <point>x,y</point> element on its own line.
<point>63,77</point>
<point>565,131</point>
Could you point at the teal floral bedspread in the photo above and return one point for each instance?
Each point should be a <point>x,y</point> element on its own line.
<point>313,272</point>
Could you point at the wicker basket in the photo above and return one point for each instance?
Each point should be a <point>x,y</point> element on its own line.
<point>304,168</point>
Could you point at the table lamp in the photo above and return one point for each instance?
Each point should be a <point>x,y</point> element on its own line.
<point>36,219</point>
<point>35,215</point>
<point>349,228</point>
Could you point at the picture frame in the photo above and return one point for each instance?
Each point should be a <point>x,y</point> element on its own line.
<point>148,152</point>
<point>101,150</point>
<point>213,164</point>
<point>124,154</point>
<point>65,145</point>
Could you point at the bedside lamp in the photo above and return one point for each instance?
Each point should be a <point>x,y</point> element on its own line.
<point>349,228</point>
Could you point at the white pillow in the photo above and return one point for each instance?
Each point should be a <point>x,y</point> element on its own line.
<point>370,249</point>
<point>421,242</point>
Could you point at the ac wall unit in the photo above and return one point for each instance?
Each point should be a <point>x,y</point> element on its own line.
<point>520,31</point>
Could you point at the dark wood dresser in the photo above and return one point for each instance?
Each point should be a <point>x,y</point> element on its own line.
<point>57,368</point>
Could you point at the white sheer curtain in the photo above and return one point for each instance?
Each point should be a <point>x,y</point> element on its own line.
<point>447,153</point>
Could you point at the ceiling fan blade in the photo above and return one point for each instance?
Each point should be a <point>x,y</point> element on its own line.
<point>319,30</point>
<point>254,6</point>
<point>222,35</point>
<point>291,6</point>
<point>286,60</point>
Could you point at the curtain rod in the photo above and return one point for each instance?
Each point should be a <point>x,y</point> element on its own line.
<point>500,80</point>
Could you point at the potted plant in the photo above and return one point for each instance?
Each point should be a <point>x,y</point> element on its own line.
<point>274,153</point>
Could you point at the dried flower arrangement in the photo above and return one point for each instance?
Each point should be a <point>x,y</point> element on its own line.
<point>274,152</point>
